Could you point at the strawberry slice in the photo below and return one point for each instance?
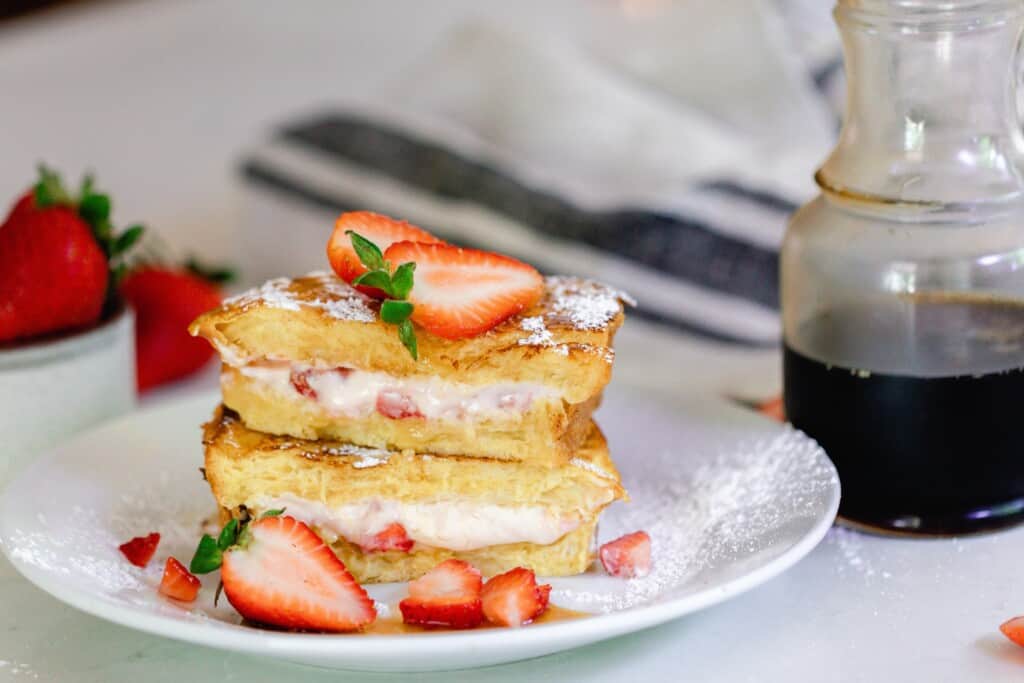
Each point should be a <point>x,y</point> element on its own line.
<point>178,582</point>
<point>282,573</point>
<point>460,292</point>
<point>381,230</point>
<point>1014,630</point>
<point>391,537</point>
<point>514,598</point>
<point>448,595</point>
<point>628,556</point>
<point>396,405</point>
<point>140,549</point>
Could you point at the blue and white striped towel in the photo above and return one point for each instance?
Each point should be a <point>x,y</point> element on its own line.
<point>579,161</point>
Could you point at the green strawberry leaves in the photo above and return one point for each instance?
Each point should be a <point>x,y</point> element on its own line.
<point>94,208</point>
<point>209,553</point>
<point>395,310</point>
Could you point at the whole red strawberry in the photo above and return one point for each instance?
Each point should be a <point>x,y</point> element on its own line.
<point>166,300</point>
<point>55,258</point>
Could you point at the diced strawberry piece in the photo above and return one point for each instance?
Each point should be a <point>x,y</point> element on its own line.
<point>514,598</point>
<point>467,614</point>
<point>381,230</point>
<point>391,537</point>
<point>178,582</point>
<point>628,556</point>
<point>461,293</point>
<point>282,573</point>
<point>448,595</point>
<point>1014,630</point>
<point>140,549</point>
<point>396,405</point>
<point>300,382</point>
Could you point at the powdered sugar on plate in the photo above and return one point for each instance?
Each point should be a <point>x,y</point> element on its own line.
<point>731,507</point>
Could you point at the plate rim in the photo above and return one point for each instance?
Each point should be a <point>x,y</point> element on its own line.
<point>554,637</point>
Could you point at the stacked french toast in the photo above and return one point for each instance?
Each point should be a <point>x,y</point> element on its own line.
<point>421,403</point>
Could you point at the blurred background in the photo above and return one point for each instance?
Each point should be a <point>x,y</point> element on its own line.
<point>654,144</point>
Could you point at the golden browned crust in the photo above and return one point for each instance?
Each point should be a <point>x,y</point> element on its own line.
<point>242,464</point>
<point>563,342</point>
<point>548,433</point>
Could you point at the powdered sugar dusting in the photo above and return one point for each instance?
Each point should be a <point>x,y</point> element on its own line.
<point>364,457</point>
<point>318,289</point>
<point>591,467</point>
<point>729,508</point>
<point>585,304</point>
<point>540,335</point>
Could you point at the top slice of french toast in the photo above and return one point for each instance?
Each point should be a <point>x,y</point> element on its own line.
<point>564,341</point>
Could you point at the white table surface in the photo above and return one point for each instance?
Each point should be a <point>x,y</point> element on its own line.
<point>161,97</point>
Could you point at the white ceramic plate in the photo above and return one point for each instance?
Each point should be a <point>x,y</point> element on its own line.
<point>730,500</point>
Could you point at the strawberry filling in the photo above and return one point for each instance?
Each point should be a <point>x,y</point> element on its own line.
<point>360,393</point>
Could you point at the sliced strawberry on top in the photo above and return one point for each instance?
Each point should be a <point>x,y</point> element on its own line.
<point>391,537</point>
<point>514,598</point>
<point>460,292</point>
<point>628,556</point>
<point>140,549</point>
<point>448,595</point>
<point>1014,630</point>
<point>282,573</point>
<point>381,230</point>
<point>178,582</point>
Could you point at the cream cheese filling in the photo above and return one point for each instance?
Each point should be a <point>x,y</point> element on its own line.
<point>453,524</point>
<point>359,393</point>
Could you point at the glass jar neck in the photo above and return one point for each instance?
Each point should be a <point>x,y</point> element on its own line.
<point>931,114</point>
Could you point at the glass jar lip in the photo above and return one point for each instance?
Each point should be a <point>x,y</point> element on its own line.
<point>931,14</point>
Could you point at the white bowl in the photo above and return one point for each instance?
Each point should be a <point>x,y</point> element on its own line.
<point>53,388</point>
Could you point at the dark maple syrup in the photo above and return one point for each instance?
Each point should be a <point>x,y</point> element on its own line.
<point>937,448</point>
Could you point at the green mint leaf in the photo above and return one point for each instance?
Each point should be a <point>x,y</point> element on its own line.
<point>95,209</point>
<point>368,252</point>
<point>401,281</point>
<point>207,558</point>
<point>127,239</point>
<point>375,278</point>
<point>273,513</point>
<point>395,312</point>
<point>408,336</point>
<point>228,535</point>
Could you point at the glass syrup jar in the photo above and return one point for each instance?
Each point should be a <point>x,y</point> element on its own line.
<point>903,281</point>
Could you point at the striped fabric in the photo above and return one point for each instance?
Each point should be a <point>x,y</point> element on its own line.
<point>700,255</point>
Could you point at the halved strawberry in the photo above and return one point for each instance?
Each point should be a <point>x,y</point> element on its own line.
<point>462,292</point>
<point>282,573</point>
<point>178,582</point>
<point>381,230</point>
<point>1014,630</point>
<point>391,537</point>
<point>140,549</point>
<point>448,595</point>
<point>514,598</point>
<point>628,556</point>
<point>396,405</point>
